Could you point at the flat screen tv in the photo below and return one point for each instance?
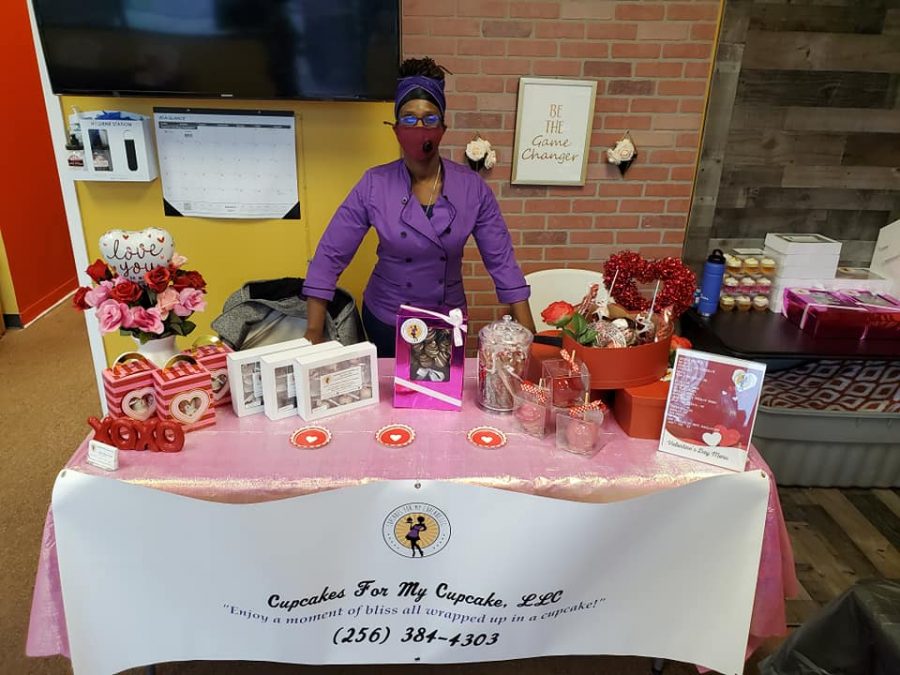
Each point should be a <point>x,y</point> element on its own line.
<point>271,49</point>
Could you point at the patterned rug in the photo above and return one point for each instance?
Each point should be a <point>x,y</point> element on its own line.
<point>837,386</point>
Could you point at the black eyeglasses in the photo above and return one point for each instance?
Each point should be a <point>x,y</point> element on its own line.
<point>429,121</point>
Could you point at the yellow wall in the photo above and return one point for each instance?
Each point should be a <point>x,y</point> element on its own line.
<point>7,292</point>
<point>336,143</point>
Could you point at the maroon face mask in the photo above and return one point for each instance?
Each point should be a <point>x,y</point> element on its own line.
<point>419,143</point>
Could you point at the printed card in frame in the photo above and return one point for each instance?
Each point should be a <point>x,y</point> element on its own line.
<point>711,408</point>
<point>554,120</point>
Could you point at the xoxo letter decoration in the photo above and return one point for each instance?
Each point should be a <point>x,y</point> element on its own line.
<point>154,435</point>
<point>134,253</point>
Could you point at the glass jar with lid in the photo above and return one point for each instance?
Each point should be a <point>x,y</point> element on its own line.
<point>503,348</point>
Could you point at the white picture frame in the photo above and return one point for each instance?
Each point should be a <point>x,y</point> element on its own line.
<point>354,374</point>
<point>711,408</point>
<point>245,375</point>
<point>554,120</point>
<point>277,371</point>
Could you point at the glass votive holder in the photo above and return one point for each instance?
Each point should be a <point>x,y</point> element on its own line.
<point>580,435</point>
<point>531,413</point>
<point>567,386</point>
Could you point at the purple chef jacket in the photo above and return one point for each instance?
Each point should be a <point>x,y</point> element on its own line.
<point>419,259</point>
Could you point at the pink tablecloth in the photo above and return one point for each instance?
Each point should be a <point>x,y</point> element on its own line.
<point>251,459</point>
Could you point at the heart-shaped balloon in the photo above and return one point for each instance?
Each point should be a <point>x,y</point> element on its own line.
<point>189,406</point>
<point>133,253</point>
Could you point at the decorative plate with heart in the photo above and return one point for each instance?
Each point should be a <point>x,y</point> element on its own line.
<point>139,404</point>
<point>486,437</point>
<point>189,407</point>
<point>310,438</point>
<point>395,435</point>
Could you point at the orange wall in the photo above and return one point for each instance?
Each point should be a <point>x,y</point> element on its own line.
<point>32,217</point>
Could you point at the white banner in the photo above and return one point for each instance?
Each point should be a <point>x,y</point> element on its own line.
<point>404,572</point>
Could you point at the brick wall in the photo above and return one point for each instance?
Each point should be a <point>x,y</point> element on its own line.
<point>651,61</point>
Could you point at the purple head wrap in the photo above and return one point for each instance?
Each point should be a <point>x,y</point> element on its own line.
<point>432,86</point>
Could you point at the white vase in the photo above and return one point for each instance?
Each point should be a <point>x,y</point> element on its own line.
<point>158,351</point>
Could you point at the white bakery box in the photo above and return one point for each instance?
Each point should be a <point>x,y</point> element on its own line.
<point>886,259</point>
<point>803,256</point>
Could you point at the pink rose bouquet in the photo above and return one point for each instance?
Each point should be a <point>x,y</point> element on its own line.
<point>158,307</point>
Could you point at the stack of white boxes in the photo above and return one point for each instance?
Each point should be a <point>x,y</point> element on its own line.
<point>803,260</point>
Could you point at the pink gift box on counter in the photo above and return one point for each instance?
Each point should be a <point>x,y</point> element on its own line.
<point>184,393</point>
<point>824,314</point>
<point>212,356</point>
<point>128,384</point>
<point>882,313</point>
<point>430,359</point>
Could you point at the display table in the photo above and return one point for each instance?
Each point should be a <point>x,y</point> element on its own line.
<point>251,459</point>
<point>768,336</point>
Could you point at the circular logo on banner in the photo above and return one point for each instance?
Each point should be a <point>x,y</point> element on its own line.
<point>395,435</point>
<point>310,438</point>
<point>487,437</point>
<point>413,331</point>
<point>416,530</point>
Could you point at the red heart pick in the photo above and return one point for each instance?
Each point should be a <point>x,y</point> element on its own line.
<point>628,268</point>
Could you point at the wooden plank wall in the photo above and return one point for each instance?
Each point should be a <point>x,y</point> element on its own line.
<point>802,132</point>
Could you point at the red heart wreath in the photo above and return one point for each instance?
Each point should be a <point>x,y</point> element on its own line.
<point>677,292</point>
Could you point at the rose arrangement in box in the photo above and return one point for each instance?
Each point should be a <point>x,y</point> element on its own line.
<point>158,306</point>
<point>629,319</point>
<point>603,324</point>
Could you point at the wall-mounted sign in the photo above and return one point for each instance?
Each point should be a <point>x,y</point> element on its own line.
<point>553,131</point>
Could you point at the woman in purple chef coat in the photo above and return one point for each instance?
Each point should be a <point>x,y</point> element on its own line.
<point>424,208</point>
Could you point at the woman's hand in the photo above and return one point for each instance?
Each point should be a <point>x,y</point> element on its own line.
<point>315,320</point>
<point>521,312</point>
<point>315,336</point>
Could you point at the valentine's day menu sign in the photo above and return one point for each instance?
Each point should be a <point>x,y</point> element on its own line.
<point>712,408</point>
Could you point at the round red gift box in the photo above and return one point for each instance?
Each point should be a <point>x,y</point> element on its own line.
<point>625,367</point>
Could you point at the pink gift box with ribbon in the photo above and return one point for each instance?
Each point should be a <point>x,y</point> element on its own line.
<point>128,385</point>
<point>184,393</point>
<point>430,359</point>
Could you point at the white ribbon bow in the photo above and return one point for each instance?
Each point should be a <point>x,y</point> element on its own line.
<point>454,318</point>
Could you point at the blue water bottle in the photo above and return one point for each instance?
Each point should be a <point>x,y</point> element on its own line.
<point>711,285</point>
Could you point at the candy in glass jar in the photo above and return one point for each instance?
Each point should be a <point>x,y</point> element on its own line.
<point>503,348</point>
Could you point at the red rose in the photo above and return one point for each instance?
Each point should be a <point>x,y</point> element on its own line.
<point>78,301</point>
<point>125,291</point>
<point>189,280</point>
<point>558,313</point>
<point>99,271</point>
<point>157,279</point>
<point>679,342</point>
